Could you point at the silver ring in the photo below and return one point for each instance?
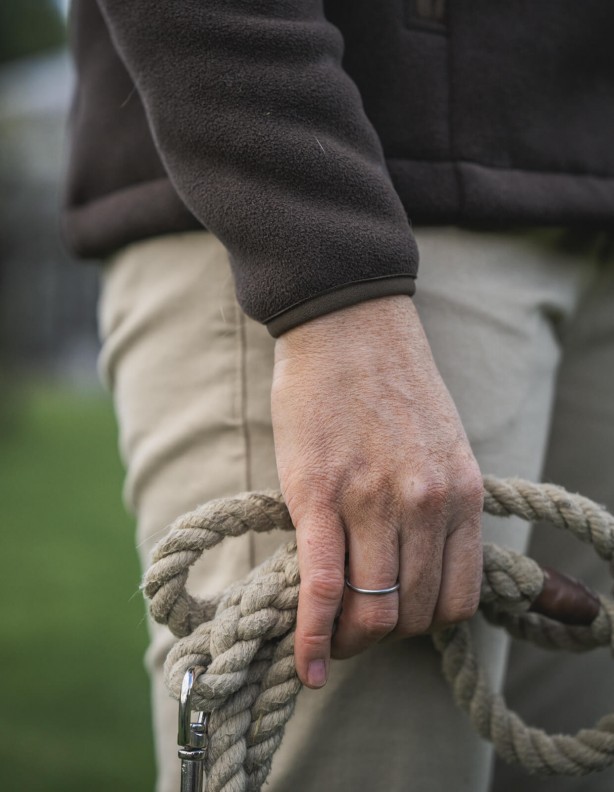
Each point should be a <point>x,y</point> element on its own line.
<point>390,590</point>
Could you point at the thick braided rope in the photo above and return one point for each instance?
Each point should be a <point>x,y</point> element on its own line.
<point>244,635</point>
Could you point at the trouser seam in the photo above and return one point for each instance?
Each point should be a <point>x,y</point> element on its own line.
<point>243,397</point>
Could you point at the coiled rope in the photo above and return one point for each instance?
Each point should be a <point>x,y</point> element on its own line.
<point>245,634</point>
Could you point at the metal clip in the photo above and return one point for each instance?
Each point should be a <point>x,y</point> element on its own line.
<point>191,736</point>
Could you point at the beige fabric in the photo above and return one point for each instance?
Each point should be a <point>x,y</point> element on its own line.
<point>191,375</point>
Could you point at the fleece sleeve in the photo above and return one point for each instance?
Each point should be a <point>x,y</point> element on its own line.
<point>265,139</point>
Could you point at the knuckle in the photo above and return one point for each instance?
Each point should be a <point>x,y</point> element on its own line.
<point>458,610</point>
<point>324,587</point>
<point>447,485</point>
<point>430,493</point>
<point>416,625</point>
<point>312,644</point>
<point>374,626</point>
<point>310,497</point>
<point>471,489</point>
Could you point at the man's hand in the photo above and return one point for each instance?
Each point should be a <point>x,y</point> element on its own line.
<point>373,460</point>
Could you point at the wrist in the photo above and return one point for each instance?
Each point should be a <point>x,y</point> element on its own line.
<point>382,316</point>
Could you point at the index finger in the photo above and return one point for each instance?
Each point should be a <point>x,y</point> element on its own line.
<point>321,558</point>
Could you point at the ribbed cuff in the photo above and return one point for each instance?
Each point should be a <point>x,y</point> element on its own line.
<point>340,297</point>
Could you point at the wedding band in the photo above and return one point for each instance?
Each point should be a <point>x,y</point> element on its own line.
<point>396,587</point>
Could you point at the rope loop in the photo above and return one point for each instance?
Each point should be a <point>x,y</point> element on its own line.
<point>244,635</point>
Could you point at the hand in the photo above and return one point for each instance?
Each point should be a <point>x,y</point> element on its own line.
<point>373,459</point>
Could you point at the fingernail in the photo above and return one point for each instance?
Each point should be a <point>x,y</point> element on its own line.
<point>316,673</point>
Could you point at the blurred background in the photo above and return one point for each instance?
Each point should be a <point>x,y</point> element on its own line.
<point>74,709</point>
<point>73,693</point>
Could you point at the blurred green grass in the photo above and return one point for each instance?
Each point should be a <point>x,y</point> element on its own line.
<point>74,703</point>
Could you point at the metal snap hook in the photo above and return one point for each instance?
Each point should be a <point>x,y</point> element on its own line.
<point>191,735</point>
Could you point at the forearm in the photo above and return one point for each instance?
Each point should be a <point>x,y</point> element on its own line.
<point>265,139</point>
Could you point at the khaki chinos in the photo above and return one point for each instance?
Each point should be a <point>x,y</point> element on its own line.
<point>521,323</point>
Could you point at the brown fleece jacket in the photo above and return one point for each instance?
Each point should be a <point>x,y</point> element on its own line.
<point>306,159</point>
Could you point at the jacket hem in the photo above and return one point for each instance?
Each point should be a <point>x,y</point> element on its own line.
<point>337,298</point>
<point>104,225</point>
<point>428,189</point>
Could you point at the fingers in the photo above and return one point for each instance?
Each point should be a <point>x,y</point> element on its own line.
<point>459,593</point>
<point>438,565</point>
<point>321,554</point>
<point>373,563</point>
<point>421,554</point>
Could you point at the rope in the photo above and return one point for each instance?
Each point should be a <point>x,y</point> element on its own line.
<point>245,634</point>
